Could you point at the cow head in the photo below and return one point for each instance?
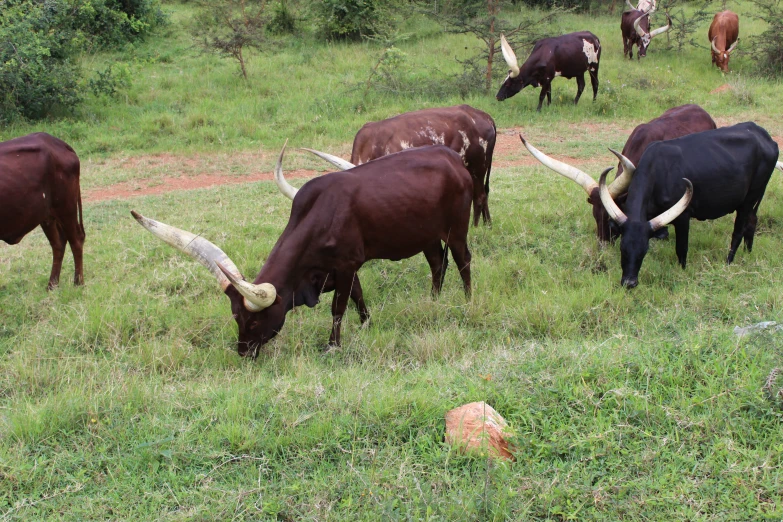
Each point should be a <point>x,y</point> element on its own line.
<point>636,234</point>
<point>642,27</point>
<point>514,82</point>
<point>721,58</point>
<point>617,189</point>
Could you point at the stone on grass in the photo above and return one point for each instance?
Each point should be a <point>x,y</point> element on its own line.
<point>478,428</point>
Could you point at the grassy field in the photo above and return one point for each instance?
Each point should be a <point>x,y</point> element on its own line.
<point>125,398</point>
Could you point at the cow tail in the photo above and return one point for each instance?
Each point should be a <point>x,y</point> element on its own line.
<point>79,203</point>
<point>490,152</point>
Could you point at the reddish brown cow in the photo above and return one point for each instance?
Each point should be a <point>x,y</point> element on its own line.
<point>676,122</point>
<point>635,26</point>
<point>723,36</point>
<point>468,131</point>
<point>390,208</point>
<point>39,185</point>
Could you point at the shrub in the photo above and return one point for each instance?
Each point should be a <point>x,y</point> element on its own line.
<point>767,48</point>
<point>352,19</point>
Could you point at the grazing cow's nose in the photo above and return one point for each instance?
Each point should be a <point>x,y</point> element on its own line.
<point>629,282</point>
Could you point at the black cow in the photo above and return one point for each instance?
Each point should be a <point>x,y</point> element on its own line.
<point>635,26</point>
<point>569,56</point>
<point>721,171</point>
<point>390,208</point>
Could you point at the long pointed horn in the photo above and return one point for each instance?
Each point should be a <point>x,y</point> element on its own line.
<point>779,165</point>
<point>334,160</point>
<point>731,49</point>
<point>564,169</point>
<point>195,246</point>
<point>714,48</point>
<point>257,297</point>
<point>287,190</point>
<point>611,207</point>
<point>636,23</point>
<point>678,208</point>
<point>663,29</point>
<point>620,184</point>
<point>509,56</point>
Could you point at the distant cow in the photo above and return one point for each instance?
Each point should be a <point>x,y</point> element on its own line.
<point>635,26</point>
<point>569,56</point>
<point>720,171</point>
<point>39,185</point>
<point>468,131</point>
<point>676,122</point>
<point>390,208</point>
<point>723,36</point>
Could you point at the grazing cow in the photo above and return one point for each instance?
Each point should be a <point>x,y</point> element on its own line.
<point>721,171</point>
<point>390,208</point>
<point>569,56</point>
<point>39,185</point>
<point>645,6</point>
<point>723,35</point>
<point>635,26</point>
<point>465,130</point>
<point>676,122</point>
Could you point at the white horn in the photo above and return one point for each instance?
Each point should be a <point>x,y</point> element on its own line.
<point>257,297</point>
<point>620,184</point>
<point>334,160</point>
<point>663,29</point>
<point>678,208</point>
<point>509,56</point>
<point>636,23</point>
<point>631,7</point>
<point>287,190</point>
<point>714,48</point>
<point>195,246</point>
<point>564,169</point>
<point>733,46</point>
<point>611,207</point>
<point>779,165</point>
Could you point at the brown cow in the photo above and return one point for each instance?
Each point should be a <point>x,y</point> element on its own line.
<point>468,131</point>
<point>39,185</point>
<point>676,122</point>
<point>390,208</point>
<point>635,26</point>
<point>723,36</point>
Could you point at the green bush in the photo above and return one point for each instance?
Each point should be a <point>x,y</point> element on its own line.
<point>352,19</point>
<point>767,48</point>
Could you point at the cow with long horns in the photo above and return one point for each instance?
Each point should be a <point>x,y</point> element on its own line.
<point>676,122</point>
<point>723,36</point>
<point>390,208</point>
<point>468,131</point>
<point>719,171</point>
<point>569,56</point>
<point>39,185</point>
<point>635,26</point>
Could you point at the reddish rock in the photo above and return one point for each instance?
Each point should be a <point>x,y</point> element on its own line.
<point>477,427</point>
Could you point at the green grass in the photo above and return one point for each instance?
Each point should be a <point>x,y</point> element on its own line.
<point>125,399</point>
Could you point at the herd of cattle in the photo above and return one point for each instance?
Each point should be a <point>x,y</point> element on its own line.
<point>410,185</point>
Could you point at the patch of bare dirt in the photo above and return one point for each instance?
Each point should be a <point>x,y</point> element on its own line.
<point>723,88</point>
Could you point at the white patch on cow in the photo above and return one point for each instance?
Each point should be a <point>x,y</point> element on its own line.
<point>558,73</point>
<point>405,145</point>
<point>387,151</point>
<point>590,51</point>
<point>44,195</point>
<point>483,144</point>
<point>430,134</point>
<point>474,121</point>
<point>465,144</point>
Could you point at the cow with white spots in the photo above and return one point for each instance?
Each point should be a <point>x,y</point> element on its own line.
<point>570,56</point>
<point>467,131</point>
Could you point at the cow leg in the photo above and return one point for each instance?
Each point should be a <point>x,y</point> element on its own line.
<point>461,254</point>
<point>594,81</point>
<point>738,233</point>
<point>438,259</point>
<point>681,228</point>
<point>750,231</point>
<point>549,94</point>
<point>358,298</point>
<point>56,237</point>
<point>541,98</point>
<point>580,87</point>
<point>74,233</point>
<point>342,290</point>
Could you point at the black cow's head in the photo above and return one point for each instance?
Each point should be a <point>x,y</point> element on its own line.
<point>642,27</point>
<point>514,82</point>
<point>636,234</point>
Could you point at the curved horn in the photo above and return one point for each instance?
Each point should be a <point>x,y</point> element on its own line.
<point>620,184</point>
<point>611,207</point>
<point>731,49</point>
<point>287,190</point>
<point>678,208</point>
<point>779,165</point>
<point>564,169</point>
<point>714,49</point>
<point>334,160</point>
<point>636,23</point>
<point>257,297</point>
<point>628,3</point>
<point>195,246</point>
<point>663,29</point>
<point>652,8</point>
<point>509,56</point>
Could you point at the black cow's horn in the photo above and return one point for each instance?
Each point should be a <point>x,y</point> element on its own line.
<point>564,169</point>
<point>620,184</point>
<point>678,208</point>
<point>662,29</point>
<point>257,296</point>
<point>195,246</point>
<point>509,56</point>
<point>334,160</point>
<point>630,6</point>
<point>287,190</point>
<point>636,23</point>
<point>611,207</point>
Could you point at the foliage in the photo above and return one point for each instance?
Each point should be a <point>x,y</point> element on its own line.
<point>284,19</point>
<point>767,48</point>
<point>353,19</point>
<point>230,27</point>
<point>687,18</point>
<point>111,80</point>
